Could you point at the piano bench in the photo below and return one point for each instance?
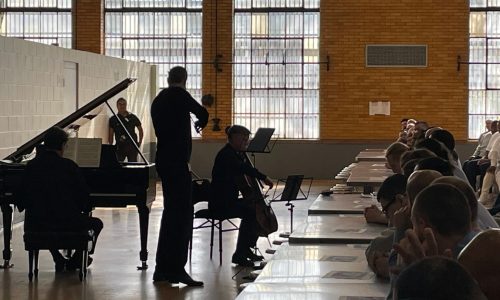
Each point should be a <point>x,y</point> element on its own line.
<point>46,240</point>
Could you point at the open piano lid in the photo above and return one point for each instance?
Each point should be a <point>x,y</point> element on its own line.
<point>28,147</point>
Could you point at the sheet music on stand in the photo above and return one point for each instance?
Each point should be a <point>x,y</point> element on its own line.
<point>260,141</point>
<point>292,189</point>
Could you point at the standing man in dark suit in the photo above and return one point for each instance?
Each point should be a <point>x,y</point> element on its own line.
<point>170,113</point>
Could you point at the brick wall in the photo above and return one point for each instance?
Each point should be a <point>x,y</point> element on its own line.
<point>218,40</point>
<point>437,93</point>
<point>88,25</point>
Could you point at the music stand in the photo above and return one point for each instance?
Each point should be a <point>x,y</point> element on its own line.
<point>292,191</point>
<point>260,141</point>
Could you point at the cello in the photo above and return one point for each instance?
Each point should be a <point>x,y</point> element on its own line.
<point>251,191</point>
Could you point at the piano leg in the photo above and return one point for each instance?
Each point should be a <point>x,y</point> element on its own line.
<point>7,235</point>
<point>143,224</point>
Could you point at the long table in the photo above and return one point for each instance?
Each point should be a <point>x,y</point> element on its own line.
<point>340,204</point>
<point>371,156</point>
<point>313,291</point>
<point>335,229</point>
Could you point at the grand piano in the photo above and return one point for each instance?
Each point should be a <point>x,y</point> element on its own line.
<point>112,184</point>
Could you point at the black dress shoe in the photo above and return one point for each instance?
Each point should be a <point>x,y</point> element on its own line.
<point>241,261</point>
<point>184,278</point>
<point>254,257</point>
<point>76,263</point>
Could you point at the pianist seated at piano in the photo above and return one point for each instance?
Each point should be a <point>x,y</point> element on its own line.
<point>55,196</point>
<point>232,164</point>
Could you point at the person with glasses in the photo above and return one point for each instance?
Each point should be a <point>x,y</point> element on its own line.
<point>391,196</point>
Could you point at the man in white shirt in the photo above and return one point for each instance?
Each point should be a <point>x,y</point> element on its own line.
<point>483,141</point>
<point>475,167</point>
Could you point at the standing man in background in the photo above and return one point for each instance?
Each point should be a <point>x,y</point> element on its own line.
<point>124,146</point>
<point>171,117</point>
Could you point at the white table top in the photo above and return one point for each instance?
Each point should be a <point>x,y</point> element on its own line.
<point>313,291</point>
<point>335,229</point>
<point>366,179</point>
<point>310,271</point>
<point>354,253</point>
<point>340,204</point>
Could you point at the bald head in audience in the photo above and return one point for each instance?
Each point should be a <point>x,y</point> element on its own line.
<point>435,163</point>
<point>444,209</point>
<point>481,258</point>
<point>419,180</point>
<point>437,278</point>
<point>393,155</point>
<point>467,191</point>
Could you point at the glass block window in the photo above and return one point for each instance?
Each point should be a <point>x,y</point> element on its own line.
<point>166,33</point>
<point>43,21</point>
<point>276,70</point>
<point>484,64</point>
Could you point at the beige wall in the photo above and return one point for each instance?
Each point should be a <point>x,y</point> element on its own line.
<point>32,84</point>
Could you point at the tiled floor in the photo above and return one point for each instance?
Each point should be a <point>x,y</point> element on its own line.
<point>113,274</point>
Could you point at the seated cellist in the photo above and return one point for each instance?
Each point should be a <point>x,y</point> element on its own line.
<point>230,166</point>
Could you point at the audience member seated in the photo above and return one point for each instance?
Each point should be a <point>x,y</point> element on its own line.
<point>231,167</point>
<point>403,134</point>
<point>437,278</point>
<point>414,155</point>
<point>491,176</point>
<point>409,166</point>
<point>435,147</point>
<point>391,196</point>
<point>445,137</point>
<point>55,196</point>
<point>441,221</point>
<point>478,167</point>
<point>483,141</point>
<point>480,257</point>
<point>436,164</point>
<point>480,217</point>
<point>431,130</point>
<point>418,133</point>
<point>393,156</point>
<point>401,219</point>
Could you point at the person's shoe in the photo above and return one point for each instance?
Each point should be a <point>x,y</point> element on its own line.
<point>176,278</point>
<point>241,261</point>
<point>76,262</point>
<point>184,278</point>
<point>254,257</point>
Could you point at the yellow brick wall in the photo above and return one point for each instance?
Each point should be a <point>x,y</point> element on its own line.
<point>437,94</point>
<point>88,25</point>
<point>218,40</point>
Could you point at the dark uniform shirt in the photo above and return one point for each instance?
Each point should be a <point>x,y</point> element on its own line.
<point>170,112</point>
<point>54,194</point>
<point>229,165</point>
<point>130,121</point>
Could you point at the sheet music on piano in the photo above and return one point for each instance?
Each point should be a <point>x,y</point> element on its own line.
<point>85,152</point>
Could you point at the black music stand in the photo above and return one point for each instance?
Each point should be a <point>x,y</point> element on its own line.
<point>260,141</point>
<point>292,191</point>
